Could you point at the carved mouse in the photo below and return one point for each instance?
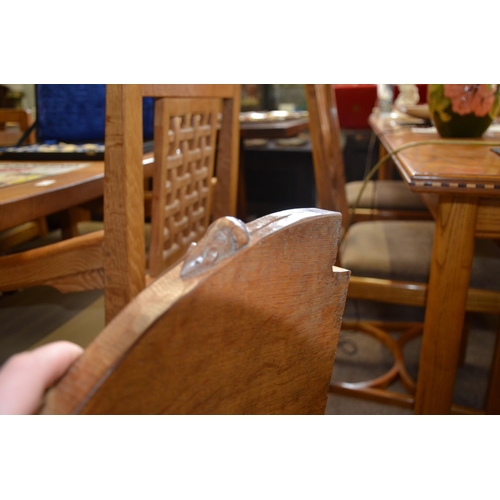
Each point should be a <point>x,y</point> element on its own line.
<point>223,238</point>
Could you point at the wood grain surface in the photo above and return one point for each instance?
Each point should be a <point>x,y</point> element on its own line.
<point>446,165</point>
<point>254,334</point>
<point>460,184</point>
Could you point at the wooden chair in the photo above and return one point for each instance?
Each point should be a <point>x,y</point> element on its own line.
<point>186,156</point>
<point>390,263</point>
<point>248,323</point>
<point>186,123</point>
<point>22,118</point>
<point>380,200</point>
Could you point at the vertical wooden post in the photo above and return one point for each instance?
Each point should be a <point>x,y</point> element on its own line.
<point>226,198</point>
<point>446,299</point>
<point>124,248</point>
<point>493,396</point>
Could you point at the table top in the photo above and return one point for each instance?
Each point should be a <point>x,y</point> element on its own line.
<point>445,166</point>
<point>273,129</point>
<point>30,200</point>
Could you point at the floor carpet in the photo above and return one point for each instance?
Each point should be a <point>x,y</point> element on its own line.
<point>40,315</point>
<point>360,357</point>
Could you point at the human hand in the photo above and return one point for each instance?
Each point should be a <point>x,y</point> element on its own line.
<point>25,377</point>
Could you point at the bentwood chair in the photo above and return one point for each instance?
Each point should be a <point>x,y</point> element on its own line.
<point>195,180</point>
<point>380,199</point>
<point>390,263</point>
<point>226,331</point>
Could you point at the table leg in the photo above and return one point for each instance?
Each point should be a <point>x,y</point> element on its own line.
<point>70,219</point>
<point>446,299</point>
<point>387,169</point>
<point>493,395</point>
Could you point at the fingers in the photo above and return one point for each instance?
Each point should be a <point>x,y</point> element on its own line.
<point>25,377</point>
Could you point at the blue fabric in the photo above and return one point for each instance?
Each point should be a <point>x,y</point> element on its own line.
<point>77,113</point>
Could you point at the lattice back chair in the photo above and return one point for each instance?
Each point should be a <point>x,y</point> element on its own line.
<point>390,263</point>
<point>380,199</point>
<point>114,259</point>
<point>226,331</point>
<point>185,142</point>
<point>190,144</point>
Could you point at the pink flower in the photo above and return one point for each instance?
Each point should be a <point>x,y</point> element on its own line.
<point>471,98</point>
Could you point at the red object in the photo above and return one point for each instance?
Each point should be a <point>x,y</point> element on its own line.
<point>355,103</point>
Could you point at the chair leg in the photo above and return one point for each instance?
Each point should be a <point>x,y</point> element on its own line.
<point>70,219</point>
<point>42,226</point>
<point>386,170</point>
<point>493,395</point>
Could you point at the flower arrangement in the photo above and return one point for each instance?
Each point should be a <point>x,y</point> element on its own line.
<point>463,110</point>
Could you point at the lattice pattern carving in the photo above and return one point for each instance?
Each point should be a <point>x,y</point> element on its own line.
<point>185,135</point>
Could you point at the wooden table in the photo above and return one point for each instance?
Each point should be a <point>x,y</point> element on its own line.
<point>461,186</point>
<point>278,129</point>
<point>31,200</point>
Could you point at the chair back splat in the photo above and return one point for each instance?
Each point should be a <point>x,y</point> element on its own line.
<point>194,171</point>
<point>327,152</point>
<point>195,177</point>
<point>248,323</point>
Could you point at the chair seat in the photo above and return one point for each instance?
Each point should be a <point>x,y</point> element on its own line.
<point>383,194</point>
<point>402,251</point>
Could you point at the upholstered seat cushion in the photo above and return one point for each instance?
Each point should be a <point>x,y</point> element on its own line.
<point>402,251</point>
<point>388,195</point>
